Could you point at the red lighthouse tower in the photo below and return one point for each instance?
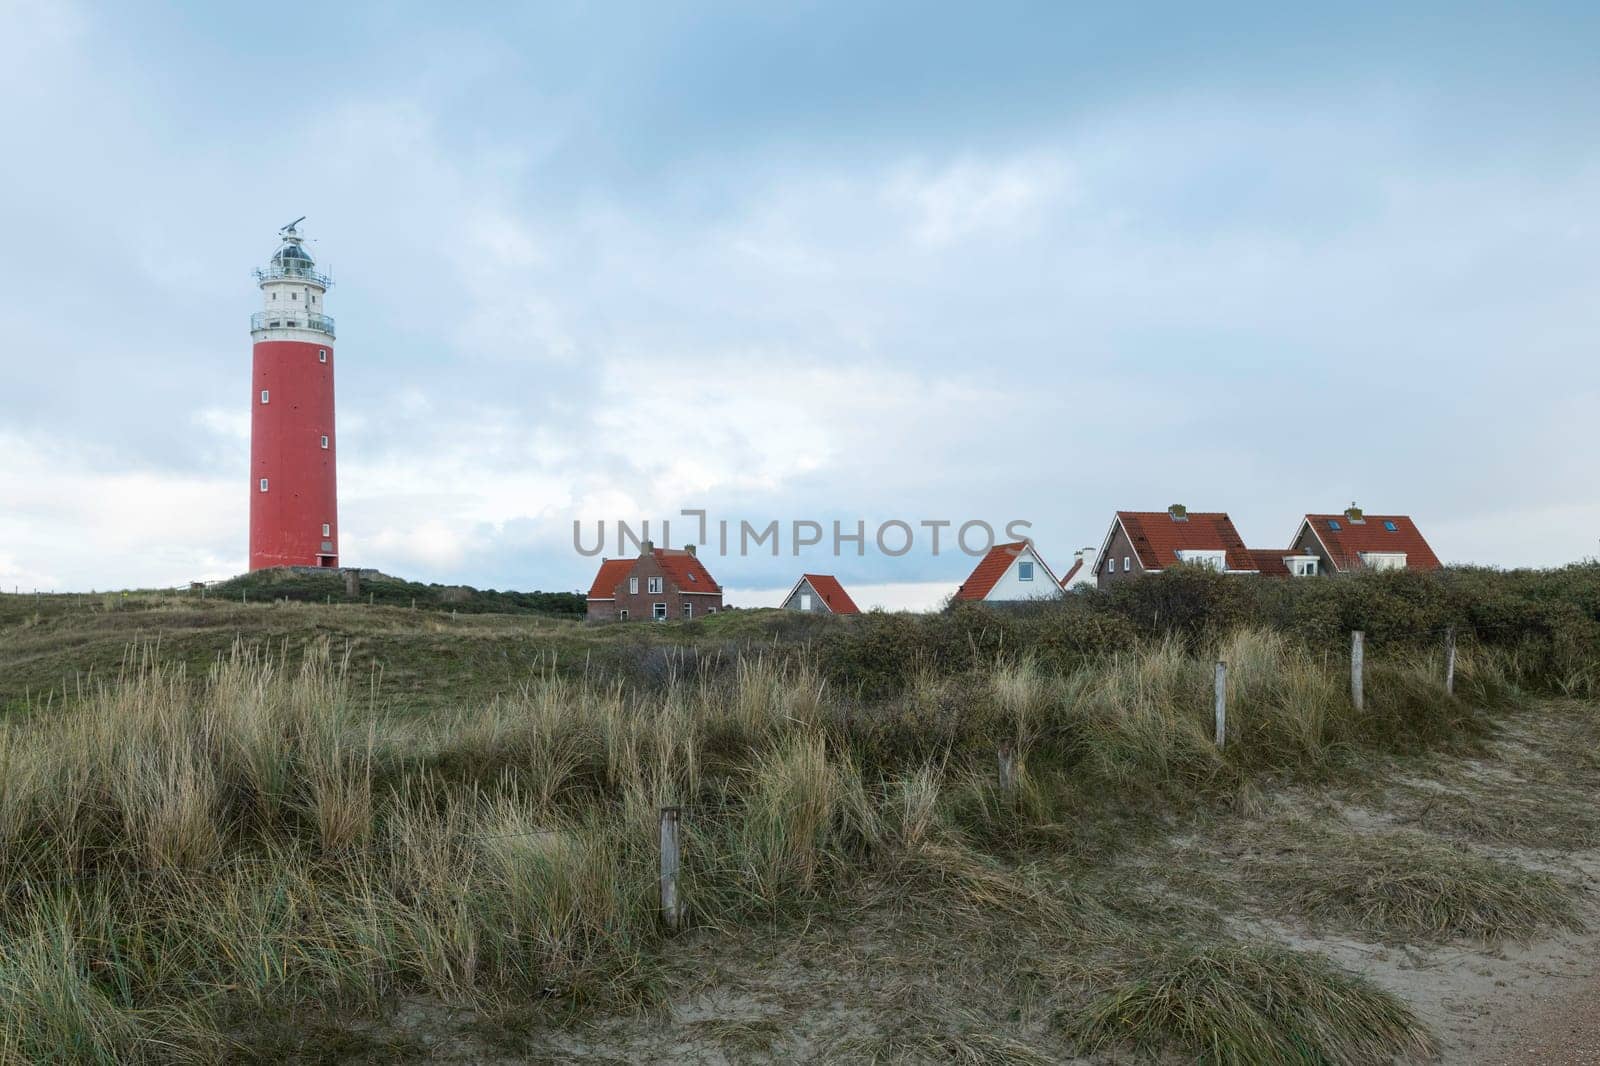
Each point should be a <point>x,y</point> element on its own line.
<point>294,498</point>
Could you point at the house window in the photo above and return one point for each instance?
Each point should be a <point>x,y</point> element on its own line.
<point>655,585</point>
<point>659,610</point>
<point>327,530</point>
<point>324,442</point>
<point>265,395</point>
<point>1390,526</point>
<point>623,614</point>
<point>263,484</point>
<point>1025,570</point>
<point>688,610</point>
<point>1112,565</point>
<point>633,586</point>
<point>1384,560</point>
<point>322,355</point>
<point>805,601</point>
<point>1127,564</point>
<point>1215,559</point>
<point>692,577</point>
<point>1303,567</point>
<point>711,610</point>
<point>1333,524</point>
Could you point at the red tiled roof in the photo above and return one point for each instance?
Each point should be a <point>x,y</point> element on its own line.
<point>990,569</point>
<point>612,572</point>
<point>1158,538</point>
<point>685,570</point>
<point>1077,564</point>
<point>681,568</point>
<point>1346,543</point>
<point>833,594</point>
<point>1270,560</point>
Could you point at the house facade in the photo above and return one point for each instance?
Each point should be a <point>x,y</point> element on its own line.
<point>661,584</point>
<point>1354,540</point>
<point>821,594</point>
<point>1147,542</point>
<point>1010,573</point>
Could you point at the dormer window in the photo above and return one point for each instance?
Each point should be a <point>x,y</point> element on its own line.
<point>1210,557</point>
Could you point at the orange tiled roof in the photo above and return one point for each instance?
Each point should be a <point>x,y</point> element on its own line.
<point>1346,543</point>
<point>686,570</point>
<point>990,569</point>
<point>1158,538</point>
<point>833,594</point>
<point>1077,564</point>
<point>612,572</point>
<point>1270,560</point>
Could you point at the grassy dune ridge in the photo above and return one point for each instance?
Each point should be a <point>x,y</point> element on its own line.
<point>183,854</point>
<point>202,847</point>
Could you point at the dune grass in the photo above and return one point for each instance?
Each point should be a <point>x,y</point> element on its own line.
<point>188,858</point>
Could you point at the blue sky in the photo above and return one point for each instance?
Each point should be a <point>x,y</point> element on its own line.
<point>805,261</point>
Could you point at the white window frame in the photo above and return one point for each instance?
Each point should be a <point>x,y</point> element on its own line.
<point>322,355</point>
<point>1111,564</point>
<point>1127,563</point>
<point>688,609</point>
<point>1383,560</point>
<point>622,615</point>
<point>327,529</point>
<point>658,611</point>
<point>1025,570</point>
<point>263,484</point>
<point>324,442</point>
<point>805,601</point>
<point>653,586</point>
<point>1216,559</point>
<point>266,395</point>
<point>633,586</point>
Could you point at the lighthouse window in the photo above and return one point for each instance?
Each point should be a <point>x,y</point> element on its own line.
<point>324,442</point>
<point>294,296</point>
<point>322,355</point>
<point>263,484</point>
<point>264,395</point>
<point>327,530</point>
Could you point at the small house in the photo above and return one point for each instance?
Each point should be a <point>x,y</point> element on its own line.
<point>820,593</point>
<point>661,583</point>
<point>1010,573</point>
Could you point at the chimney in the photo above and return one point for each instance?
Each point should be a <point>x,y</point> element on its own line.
<point>689,548</point>
<point>647,547</point>
<point>1179,512</point>
<point>1353,513</point>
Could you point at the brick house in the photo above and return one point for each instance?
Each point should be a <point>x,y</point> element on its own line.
<point>1147,542</point>
<point>1354,540</point>
<point>661,583</point>
<point>1010,573</point>
<point>820,593</point>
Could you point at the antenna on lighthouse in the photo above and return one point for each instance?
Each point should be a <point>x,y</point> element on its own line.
<point>289,229</point>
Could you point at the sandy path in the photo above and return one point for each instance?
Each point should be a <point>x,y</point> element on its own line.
<point>1564,1031</point>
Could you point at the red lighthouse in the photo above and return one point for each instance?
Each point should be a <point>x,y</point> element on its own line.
<point>294,499</point>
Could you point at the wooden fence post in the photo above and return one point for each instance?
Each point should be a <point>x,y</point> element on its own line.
<point>671,905</point>
<point>1450,661</point>
<point>1222,702</point>
<point>1358,654</point>
<point>1008,769</point>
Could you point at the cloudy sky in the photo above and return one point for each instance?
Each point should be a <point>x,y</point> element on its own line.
<point>811,261</point>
